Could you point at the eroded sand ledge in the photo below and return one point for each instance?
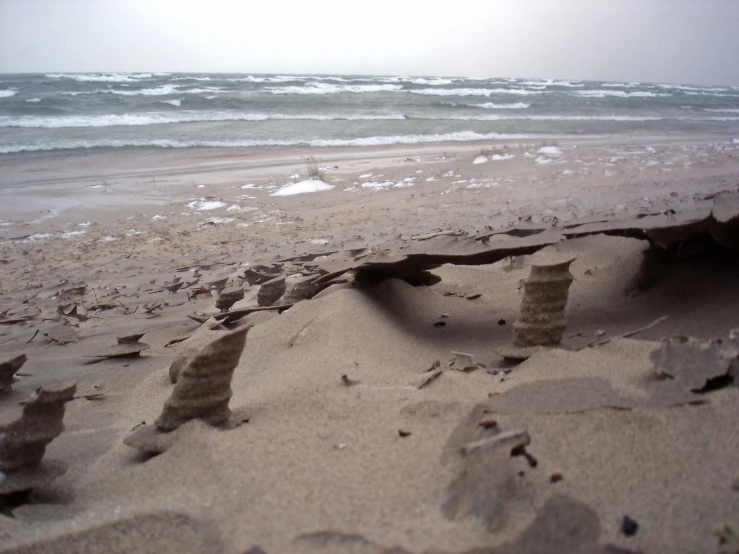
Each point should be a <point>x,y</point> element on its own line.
<point>366,463</point>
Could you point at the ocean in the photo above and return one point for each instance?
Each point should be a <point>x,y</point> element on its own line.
<point>61,112</point>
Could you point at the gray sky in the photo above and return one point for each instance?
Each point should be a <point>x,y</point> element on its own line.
<point>671,41</point>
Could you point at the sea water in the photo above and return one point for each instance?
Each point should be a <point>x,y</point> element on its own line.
<point>59,112</point>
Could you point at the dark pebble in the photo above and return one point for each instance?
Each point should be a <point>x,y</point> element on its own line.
<point>629,527</point>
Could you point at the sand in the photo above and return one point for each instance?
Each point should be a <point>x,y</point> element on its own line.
<point>325,467</point>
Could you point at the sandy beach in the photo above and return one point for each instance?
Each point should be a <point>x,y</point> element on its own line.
<point>358,429</point>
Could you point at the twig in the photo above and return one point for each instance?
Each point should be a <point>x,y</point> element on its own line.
<point>627,334</point>
<point>96,296</point>
<point>33,337</point>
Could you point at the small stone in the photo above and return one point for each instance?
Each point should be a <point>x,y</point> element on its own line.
<point>501,322</point>
<point>629,527</point>
<point>403,434</point>
<point>556,477</point>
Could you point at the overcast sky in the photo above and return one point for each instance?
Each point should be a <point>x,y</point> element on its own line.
<point>670,41</point>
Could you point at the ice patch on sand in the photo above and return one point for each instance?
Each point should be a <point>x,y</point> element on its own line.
<point>237,208</point>
<point>378,185</point>
<point>251,186</point>
<point>303,187</point>
<point>322,242</point>
<point>480,160</point>
<point>205,204</point>
<point>501,157</point>
<point>215,221</point>
<point>158,216</point>
<point>554,151</point>
<point>543,160</point>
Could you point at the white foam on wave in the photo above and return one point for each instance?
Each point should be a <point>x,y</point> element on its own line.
<point>551,83</point>
<point>329,88</point>
<point>693,88</point>
<point>722,110</point>
<point>511,106</point>
<point>303,187</point>
<point>175,102</point>
<point>459,136</point>
<point>474,91</point>
<point>191,78</point>
<point>101,77</point>
<point>552,117</point>
<point>33,100</point>
<point>155,118</point>
<point>437,81</point>
<point>7,93</point>
<point>619,94</point>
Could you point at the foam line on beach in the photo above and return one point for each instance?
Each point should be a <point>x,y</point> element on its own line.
<point>460,136</point>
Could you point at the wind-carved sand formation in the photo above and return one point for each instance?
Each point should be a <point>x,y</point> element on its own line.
<point>202,391</point>
<point>8,369</point>
<point>23,442</point>
<point>542,320</point>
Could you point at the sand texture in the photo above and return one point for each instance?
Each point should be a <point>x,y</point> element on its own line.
<point>370,410</point>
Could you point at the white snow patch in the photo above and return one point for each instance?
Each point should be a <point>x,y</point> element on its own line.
<point>553,151</point>
<point>480,160</point>
<point>377,184</point>
<point>319,241</point>
<point>251,186</point>
<point>237,208</point>
<point>158,216</point>
<point>215,221</point>
<point>303,187</point>
<point>203,204</point>
<point>501,157</point>
<point>543,160</point>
